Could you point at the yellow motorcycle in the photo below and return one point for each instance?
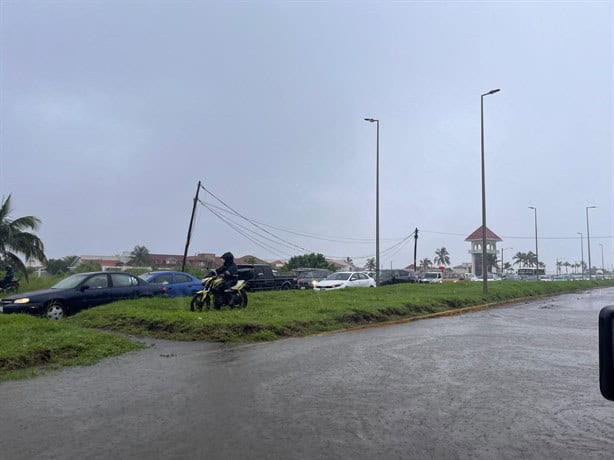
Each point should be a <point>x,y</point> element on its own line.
<point>213,292</point>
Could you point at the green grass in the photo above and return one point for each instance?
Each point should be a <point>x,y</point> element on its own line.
<point>31,345</point>
<point>272,315</point>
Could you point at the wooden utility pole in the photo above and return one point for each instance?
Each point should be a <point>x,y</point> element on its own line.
<point>187,243</point>
<point>415,248</point>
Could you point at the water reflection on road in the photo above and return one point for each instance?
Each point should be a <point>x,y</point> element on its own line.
<point>513,382</point>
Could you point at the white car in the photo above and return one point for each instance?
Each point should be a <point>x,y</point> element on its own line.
<point>342,280</point>
<point>431,278</point>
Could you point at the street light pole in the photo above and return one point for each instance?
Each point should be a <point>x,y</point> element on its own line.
<point>377,268</point>
<point>536,251</point>
<point>588,241</point>
<point>582,252</point>
<point>502,258</point>
<point>484,259</point>
<point>602,264</point>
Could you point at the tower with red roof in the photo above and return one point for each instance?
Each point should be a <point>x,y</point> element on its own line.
<point>476,249</point>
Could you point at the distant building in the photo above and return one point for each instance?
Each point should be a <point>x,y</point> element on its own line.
<point>476,249</point>
<point>342,265</point>
<point>463,268</point>
<point>277,263</point>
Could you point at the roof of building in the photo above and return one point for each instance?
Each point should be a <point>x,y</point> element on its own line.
<point>477,235</point>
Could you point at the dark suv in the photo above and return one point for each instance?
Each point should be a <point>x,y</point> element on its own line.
<point>306,279</point>
<point>396,276</point>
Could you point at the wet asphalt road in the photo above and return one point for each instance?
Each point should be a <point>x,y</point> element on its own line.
<point>513,382</point>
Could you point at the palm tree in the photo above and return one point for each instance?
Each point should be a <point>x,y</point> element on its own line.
<point>15,240</point>
<point>520,259</point>
<point>531,259</point>
<point>491,261</point>
<point>559,264</point>
<point>425,263</point>
<point>576,266</point>
<point>139,256</point>
<point>566,265</point>
<point>507,267</point>
<point>442,256</point>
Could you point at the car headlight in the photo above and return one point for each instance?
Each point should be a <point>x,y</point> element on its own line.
<point>314,282</point>
<point>23,300</point>
<point>336,285</point>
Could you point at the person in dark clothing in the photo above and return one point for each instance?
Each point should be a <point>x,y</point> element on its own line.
<point>229,270</point>
<point>8,277</point>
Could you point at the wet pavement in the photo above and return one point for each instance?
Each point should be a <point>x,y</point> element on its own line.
<point>515,382</point>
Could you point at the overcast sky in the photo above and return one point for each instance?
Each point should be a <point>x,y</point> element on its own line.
<point>113,111</point>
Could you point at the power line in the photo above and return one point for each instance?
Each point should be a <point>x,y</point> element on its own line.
<point>334,239</point>
<point>288,246</point>
<point>255,224</point>
<point>236,226</point>
<point>521,237</point>
<point>253,240</point>
<point>238,214</point>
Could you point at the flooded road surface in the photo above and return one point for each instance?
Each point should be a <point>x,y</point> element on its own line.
<point>515,382</point>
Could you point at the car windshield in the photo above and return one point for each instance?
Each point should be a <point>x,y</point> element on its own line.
<point>431,275</point>
<point>70,282</point>
<point>145,276</point>
<point>339,276</point>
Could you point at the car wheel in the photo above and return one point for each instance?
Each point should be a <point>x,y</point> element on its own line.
<point>55,310</point>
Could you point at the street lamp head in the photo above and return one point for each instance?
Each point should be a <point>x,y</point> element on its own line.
<point>591,207</point>
<point>371,120</point>
<point>532,207</point>
<point>492,91</point>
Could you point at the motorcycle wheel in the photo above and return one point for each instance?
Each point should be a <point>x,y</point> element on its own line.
<point>196,303</point>
<point>239,300</point>
<point>217,302</point>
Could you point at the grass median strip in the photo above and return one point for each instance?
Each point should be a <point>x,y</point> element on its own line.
<point>278,314</point>
<point>30,345</point>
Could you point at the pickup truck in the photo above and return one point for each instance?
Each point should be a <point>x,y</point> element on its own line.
<point>262,278</point>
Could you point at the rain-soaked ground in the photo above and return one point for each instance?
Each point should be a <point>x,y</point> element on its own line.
<point>513,382</point>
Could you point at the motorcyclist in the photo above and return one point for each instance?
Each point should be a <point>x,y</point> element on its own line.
<point>8,277</point>
<point>229,270</point>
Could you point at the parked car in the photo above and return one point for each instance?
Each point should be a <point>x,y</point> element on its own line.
<point>176,283</point>
<point>431,278</point>
<point>262,277</point>
<point>489,277</point>
<point>80,291</point>
<point>342,280</point>
<point>562,278</point>
<point>307,279</point>
<point>396,276</point>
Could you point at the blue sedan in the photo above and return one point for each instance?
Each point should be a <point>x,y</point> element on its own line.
<point>176,283</point>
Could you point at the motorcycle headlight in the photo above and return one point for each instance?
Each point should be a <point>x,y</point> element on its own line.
<point>22,300</point>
